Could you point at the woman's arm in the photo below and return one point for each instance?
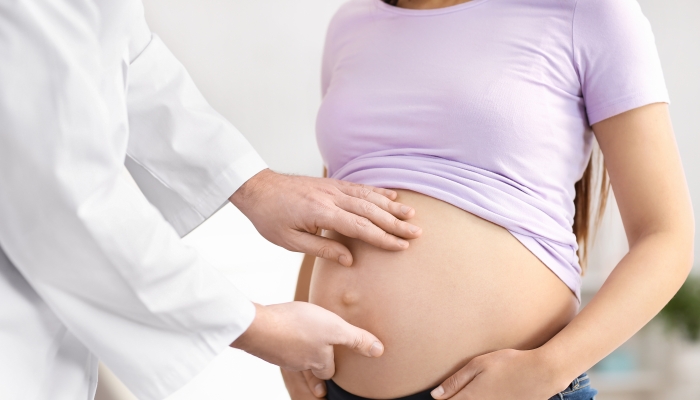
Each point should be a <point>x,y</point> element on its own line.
<point>304,280</point>
<point>650,188</point>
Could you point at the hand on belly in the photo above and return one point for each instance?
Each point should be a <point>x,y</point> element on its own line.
<point>465,288</point>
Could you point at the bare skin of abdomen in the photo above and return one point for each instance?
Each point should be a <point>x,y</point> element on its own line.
<point>464,288</point>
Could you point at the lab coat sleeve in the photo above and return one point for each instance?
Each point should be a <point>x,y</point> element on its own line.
<point>96,251</point>
<point>186,158</point>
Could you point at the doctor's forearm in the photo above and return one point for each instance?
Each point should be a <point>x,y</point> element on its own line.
<point>186,158</point>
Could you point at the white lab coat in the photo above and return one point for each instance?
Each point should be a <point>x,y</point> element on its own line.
<point>90,268</point>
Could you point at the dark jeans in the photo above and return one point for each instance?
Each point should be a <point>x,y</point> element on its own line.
<point>579,389</point>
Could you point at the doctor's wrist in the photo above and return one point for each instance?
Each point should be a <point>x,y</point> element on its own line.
<point>245,194</point>
<point>247,340</point>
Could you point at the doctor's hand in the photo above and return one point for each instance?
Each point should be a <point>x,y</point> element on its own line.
<point>289,210</point>
<point>303,385</point>
<point>300,336</point>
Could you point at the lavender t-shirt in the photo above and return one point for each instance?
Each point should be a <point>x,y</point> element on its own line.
<point>486,105</point>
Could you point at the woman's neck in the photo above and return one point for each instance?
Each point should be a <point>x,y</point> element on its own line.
<point>425,4</point>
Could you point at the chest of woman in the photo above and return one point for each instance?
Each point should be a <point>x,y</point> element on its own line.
<point>494,94</point>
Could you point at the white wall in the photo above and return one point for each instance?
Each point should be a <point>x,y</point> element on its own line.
<point>676,26</point>
<point>258,63</point>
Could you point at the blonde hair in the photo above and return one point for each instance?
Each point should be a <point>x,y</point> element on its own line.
<point>590,201</point>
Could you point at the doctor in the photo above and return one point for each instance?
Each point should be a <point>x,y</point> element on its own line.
<point>90,269</point>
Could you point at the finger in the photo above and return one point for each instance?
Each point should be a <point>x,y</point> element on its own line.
<point>388,193</point>
<point>370,194</point>
<point>452,385</point>
<point>321,247</point>
<point>359,340</point>
<point>317,386</point>
<point>357,227</point>
<point>297,386</point>
<point>326,370</point>
<point>379,217</point>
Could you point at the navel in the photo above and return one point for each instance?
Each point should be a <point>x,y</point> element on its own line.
<point>350,297</point>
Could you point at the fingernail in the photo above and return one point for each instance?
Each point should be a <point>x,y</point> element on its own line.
<point>402,243</point>
<point>376,350</point>
<point>343,260</point>
<point>439,391</point>
<point>405,209</point>
<point>319,390</point>
<point>414,229</point>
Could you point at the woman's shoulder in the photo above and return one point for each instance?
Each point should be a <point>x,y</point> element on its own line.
<point>349,17</point>
<point>598,23</point>
<point>353,11</point>
<point>606,10</point>
<point>356,7</point>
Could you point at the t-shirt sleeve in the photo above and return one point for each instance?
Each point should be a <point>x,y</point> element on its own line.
<point>616,58</point>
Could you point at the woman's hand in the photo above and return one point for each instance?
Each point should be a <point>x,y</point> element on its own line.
<point>503,374</point>
<point>303,385</point>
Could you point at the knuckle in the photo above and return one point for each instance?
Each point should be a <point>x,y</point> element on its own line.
<point>358,342</point>
<point>368,208</point>
<point>317,366</point>
<point>320,203</point>
<point>364,192</point>
<point>362,222</point>
<point>324,252</point>
<point>479,361</point>
<point>451,384</point>
<point>319,207</point>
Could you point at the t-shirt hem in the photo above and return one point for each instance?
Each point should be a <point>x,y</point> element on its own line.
<point>571,278</point>
<point>547,251</point>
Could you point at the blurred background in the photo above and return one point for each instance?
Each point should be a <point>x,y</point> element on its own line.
<point>258,63</point>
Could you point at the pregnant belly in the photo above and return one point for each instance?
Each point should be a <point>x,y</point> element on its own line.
<point>465,288</point>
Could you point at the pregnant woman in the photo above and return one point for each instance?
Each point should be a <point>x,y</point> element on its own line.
<point>482,116</point>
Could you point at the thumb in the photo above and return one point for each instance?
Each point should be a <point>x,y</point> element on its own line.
<point>316,385</point>
<point>361,341</point>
